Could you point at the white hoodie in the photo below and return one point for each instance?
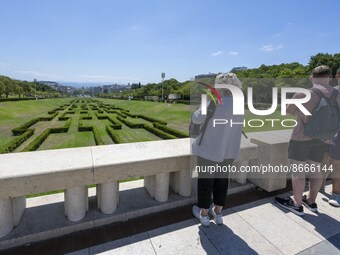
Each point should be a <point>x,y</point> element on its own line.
<point>222,141</point>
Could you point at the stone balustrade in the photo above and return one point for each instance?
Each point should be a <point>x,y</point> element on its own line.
<point>163,164</point>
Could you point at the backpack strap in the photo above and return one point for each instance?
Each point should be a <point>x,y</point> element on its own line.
<point>210,114</point>
<point>330,100</point>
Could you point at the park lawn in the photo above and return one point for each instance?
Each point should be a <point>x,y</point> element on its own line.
<point>68,140</point>
<point>129,135</point>
<point>177,115</point>
<point>13,114</point>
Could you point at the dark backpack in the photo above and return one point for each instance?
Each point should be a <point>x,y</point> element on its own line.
<point>325,120</point>
<point>196,129</point>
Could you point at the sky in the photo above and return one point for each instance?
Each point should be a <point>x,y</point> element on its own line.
<point>135,41</point>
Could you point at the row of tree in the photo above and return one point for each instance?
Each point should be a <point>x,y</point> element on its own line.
<point>262,79</point>
<point>15,88</point>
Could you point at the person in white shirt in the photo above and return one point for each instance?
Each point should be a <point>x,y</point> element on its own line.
<point>219,146</point>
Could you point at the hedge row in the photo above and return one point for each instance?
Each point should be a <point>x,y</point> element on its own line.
<point>152,119</point>
<point>53,111</point>
<point>94,129</point>
<point>17,99</point>
<point>22,128</point>
<point>130,124</point>
<point>119,113</point>
<point>159,132</point>
<point>171,131</point>
<point>35,144</point>
<point>130,114</point>
<point>115,138</point>
<point>49,118</point>
<point>63,116</point>
<point>11,146</point>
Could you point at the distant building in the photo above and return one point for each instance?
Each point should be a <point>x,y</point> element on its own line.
<point>151,98</point>
<point>209,75</point>
<point>174,96</point>
<point>239,68</point>
<point>96,90</point>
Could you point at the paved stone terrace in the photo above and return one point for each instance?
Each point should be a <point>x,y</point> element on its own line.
<point>259,227</point>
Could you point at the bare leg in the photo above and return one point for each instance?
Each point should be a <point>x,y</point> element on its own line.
<point>315,180</point>
<point>325,163</point>
<point>336,176</point>
<point>218,208</point>
<point>298,182</point>
<point>204,212</point>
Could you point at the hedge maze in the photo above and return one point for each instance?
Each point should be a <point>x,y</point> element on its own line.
<point>89,115</point>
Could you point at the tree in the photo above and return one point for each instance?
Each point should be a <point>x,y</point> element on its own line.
<point>333,61</point>
<point>8,85</point>
<point>2,88</point>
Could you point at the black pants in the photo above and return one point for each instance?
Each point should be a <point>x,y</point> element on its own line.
<point>208,184</point>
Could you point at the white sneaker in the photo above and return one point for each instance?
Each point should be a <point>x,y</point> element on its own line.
<point>334,200</point>
<point>217,217</point>
<point>203,219</point>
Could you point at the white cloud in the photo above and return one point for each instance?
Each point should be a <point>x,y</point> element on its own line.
<point>217,53</point>
<point>106,78</point>
<point>234,53</point>
<point>271,47</point>
<point>34,73</point>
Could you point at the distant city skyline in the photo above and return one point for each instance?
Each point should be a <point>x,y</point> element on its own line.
<point>122,42</point>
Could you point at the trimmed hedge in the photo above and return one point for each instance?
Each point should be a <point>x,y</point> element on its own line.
<point>152,119</point>
<point>158,132</point>
<point>16,99</point>
<point>130,115</point>
<point>130,124</point>
<point>111,132</point>
<point>171,131</point>
<point>97,137</point>
<point>34,145</point>
<point>11,146</point>
<point>22,128</point>
<point>94,129</point>
<point>63,117</point>
<point>49,118</point>
<point>119,113</point>
<point>53,111</point>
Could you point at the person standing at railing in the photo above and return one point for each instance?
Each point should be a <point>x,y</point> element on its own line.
<point>216,147</point>
<point>334,154</point>
<point>306,152</point>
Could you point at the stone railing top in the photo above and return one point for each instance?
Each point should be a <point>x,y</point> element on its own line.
<point>270,137</point>
<point>41,171</point>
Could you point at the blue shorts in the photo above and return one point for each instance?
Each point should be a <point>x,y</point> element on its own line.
<point>334,149</point>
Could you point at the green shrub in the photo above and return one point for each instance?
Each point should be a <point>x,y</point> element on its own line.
<point>97,137</point>
<point>130,115</point>
<point>17,99</point>
<point>22,128</point>
<point>49,118</point>
<point>11,146</point>
<point>130,124</point>
<point>152,119</point>
<point>171,131</point>
<point>34,145</point>
<point>158,132</point>
<point>114,136</point>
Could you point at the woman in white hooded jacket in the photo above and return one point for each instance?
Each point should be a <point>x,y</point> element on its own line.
<point>219,146</point>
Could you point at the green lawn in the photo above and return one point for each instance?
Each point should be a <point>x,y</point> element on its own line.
<point>13,114</point>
